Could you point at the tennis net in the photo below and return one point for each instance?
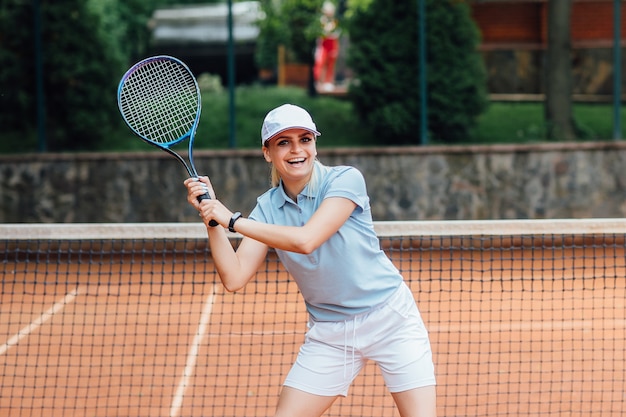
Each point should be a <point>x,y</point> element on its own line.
<point>525,318</point>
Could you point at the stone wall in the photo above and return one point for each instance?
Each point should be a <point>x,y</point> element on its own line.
<point>417,183</point>
<point>520,71</point>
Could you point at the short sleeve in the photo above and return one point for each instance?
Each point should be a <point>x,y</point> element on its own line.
<point>348,182</point>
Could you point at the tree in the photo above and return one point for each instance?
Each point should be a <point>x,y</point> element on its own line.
<point>271,35</point>
<point>302,28</point>
<point>558,105</point>
<point>384,55</point>
<point>17,93</point>
<point>86,47</point>
<point>77,69</point>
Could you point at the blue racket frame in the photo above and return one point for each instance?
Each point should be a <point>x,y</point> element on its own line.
<point>142,98</point>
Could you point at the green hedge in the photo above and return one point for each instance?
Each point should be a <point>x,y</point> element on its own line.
<point>384,55</point>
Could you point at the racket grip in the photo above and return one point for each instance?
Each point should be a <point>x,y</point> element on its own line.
<point>206,196</point>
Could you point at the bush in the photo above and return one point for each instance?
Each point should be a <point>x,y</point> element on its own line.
<point>384,55</point>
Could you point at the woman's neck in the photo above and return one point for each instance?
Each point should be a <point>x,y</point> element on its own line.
<point>293,189</point>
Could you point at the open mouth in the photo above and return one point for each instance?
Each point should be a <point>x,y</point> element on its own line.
<point>296,161</point>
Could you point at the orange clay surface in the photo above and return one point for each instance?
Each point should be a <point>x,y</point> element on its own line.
<point>117,337</point>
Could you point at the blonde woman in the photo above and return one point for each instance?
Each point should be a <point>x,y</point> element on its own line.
<point>318,220</point>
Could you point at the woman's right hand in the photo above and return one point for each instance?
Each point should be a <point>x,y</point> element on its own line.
<point>212,211</point>
<point>197,187</point>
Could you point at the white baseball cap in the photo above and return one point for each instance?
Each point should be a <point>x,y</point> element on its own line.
<point>285,117</point>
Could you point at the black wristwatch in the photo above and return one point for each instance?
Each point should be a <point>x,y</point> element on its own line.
<point>232,221</point>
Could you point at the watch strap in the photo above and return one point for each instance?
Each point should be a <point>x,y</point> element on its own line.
<point>236,216</point>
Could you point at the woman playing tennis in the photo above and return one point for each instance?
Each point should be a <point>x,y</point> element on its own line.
<point>318,220</point>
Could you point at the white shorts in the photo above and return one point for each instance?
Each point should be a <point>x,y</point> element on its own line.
<point>393,335</point>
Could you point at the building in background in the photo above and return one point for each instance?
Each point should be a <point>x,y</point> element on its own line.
<point>198,35</point>
<point>514,40</point>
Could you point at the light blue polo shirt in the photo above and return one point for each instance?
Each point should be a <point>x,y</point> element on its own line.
<point>348,274</point>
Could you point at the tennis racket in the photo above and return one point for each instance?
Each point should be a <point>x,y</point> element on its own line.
<point>160,101</point>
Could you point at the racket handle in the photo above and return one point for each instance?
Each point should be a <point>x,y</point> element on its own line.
<point>206,196</point>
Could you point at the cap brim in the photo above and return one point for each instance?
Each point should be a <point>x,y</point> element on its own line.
<point>315,132</point>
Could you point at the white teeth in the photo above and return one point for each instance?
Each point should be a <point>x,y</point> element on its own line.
<point>293,161</point>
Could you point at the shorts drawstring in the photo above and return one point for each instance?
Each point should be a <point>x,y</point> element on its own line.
<point>345,346</point>
<point>353,344</point>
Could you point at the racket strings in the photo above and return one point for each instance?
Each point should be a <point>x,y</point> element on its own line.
<point>160,101</point>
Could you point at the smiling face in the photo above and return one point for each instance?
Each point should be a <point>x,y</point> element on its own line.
<point>292,153</point>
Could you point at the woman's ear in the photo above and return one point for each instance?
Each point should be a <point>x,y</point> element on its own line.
<point>266,154</point>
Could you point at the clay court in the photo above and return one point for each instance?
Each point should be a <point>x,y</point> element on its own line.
<point>144,328</point>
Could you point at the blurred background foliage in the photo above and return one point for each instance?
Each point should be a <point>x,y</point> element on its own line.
<point>88,44</point>
<point>387,95</point>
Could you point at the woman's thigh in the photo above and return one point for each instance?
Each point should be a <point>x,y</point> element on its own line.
<point>294,402</point>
